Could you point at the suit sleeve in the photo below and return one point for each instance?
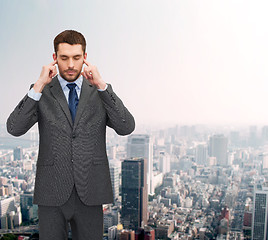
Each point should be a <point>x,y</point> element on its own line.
<point>23,117</point>
<point>119,118</point>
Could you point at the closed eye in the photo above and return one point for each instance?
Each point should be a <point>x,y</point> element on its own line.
<point>77,57</point>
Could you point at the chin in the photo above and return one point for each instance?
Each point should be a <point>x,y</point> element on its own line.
<point>70,78</point>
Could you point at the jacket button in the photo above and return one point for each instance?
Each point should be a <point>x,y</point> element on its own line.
<point>73,136</point>
<point>72,160</point>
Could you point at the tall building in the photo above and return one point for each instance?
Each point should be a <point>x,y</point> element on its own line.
<point>28,209</point>
<point>141,146</point>
<point>263,158</point>
<point>17,153</point>
<point>235,138</point>
<point>259,220</point>
<point>114,172</point>
<point>164,162</point>
<point>264,134</point>
<point>218,149</point>
<point>134,193</point>
<point>7,205</point>
<point>201,154</point>
<point>253,136</point>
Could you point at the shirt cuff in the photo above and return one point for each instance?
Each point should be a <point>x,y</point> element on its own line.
<point>101,90</point>
<point>34,95</point>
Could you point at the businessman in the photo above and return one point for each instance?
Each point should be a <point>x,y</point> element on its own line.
<point>72,109</point>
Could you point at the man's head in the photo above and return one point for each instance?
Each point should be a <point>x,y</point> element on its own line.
<point>70,52</point>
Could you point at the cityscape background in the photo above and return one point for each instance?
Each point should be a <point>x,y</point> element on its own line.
<point>194,76</point>
<point>180,182</point>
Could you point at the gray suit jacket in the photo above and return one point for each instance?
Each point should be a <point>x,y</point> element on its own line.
<point>72,153</point>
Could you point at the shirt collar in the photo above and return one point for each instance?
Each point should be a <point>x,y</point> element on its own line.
<point>63,82</point>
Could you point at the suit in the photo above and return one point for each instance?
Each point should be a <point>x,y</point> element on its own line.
<point>72,153</point>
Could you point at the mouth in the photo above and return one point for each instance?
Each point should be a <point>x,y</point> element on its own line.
<point>71,72</point>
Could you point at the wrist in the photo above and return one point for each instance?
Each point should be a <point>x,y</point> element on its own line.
<point>39,86</point>
<point>101,85</point>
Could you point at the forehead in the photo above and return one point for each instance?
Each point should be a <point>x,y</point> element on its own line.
<point>68,49</point>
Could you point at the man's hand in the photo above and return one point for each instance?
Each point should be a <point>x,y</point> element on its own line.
<point>47,73</point>
<point>92,74</point>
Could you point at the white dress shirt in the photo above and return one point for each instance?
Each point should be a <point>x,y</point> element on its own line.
<point>36,95</point>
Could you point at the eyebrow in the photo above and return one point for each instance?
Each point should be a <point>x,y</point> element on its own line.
<point>78,55</point>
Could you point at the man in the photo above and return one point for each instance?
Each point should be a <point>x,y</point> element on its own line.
<point>72,110</point>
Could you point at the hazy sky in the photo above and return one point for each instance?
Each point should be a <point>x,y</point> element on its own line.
<point>184,62</point>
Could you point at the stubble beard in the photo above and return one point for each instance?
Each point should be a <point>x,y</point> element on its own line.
<point>65,76</point>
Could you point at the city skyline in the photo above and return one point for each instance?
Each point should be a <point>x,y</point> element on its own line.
<point>196,191</point>
<point>184,62</point>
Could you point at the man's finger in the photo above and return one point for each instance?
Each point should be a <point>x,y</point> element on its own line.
<point>84,75</point>
<point>55,70</point>
<point>52,71</point>
<point>53,63</point>
<point>52,68</point>
<point>87,63</point>
<point>87,75</point>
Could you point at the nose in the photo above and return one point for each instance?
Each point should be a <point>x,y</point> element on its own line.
<point>70,63</point>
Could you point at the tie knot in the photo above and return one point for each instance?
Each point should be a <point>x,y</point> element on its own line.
<point>71,86</point>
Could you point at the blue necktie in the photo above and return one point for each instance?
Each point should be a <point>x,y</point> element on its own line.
<point>73,99</point>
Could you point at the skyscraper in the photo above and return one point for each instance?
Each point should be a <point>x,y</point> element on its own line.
<point>218,149</point>
<point>28,209</point>
<point>7,205</point>
<point>201,154</point>
<point>18,153</point>
<point>141,146</point>
<point>164,162</point>
<point>260,204</point>
<point>253,137</point>
<point>134,193</point>
<point>264,134</point>
<point>114,172</point>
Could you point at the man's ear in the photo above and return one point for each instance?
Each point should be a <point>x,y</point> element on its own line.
<point>85,56</point>
<point>54,56</point>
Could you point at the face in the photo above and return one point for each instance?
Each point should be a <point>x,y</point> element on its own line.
<point>70,60</point>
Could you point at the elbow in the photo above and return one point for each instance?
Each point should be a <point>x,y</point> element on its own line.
<point>128,128</point>
<point>11,130</point>
<point>16,134</point>
<point>131,127</point>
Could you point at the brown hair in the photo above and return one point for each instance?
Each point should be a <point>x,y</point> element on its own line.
<point>70,37</point>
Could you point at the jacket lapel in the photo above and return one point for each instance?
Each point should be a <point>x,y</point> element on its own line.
<point>57,92</point>
<point>84,99</point>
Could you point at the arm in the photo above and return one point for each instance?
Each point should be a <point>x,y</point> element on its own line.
<point>23,117</point>
<point>119,118</point>
<point>25,114</point>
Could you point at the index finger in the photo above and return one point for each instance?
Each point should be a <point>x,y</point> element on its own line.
<point>53,63</point>
<point>87,63</point>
